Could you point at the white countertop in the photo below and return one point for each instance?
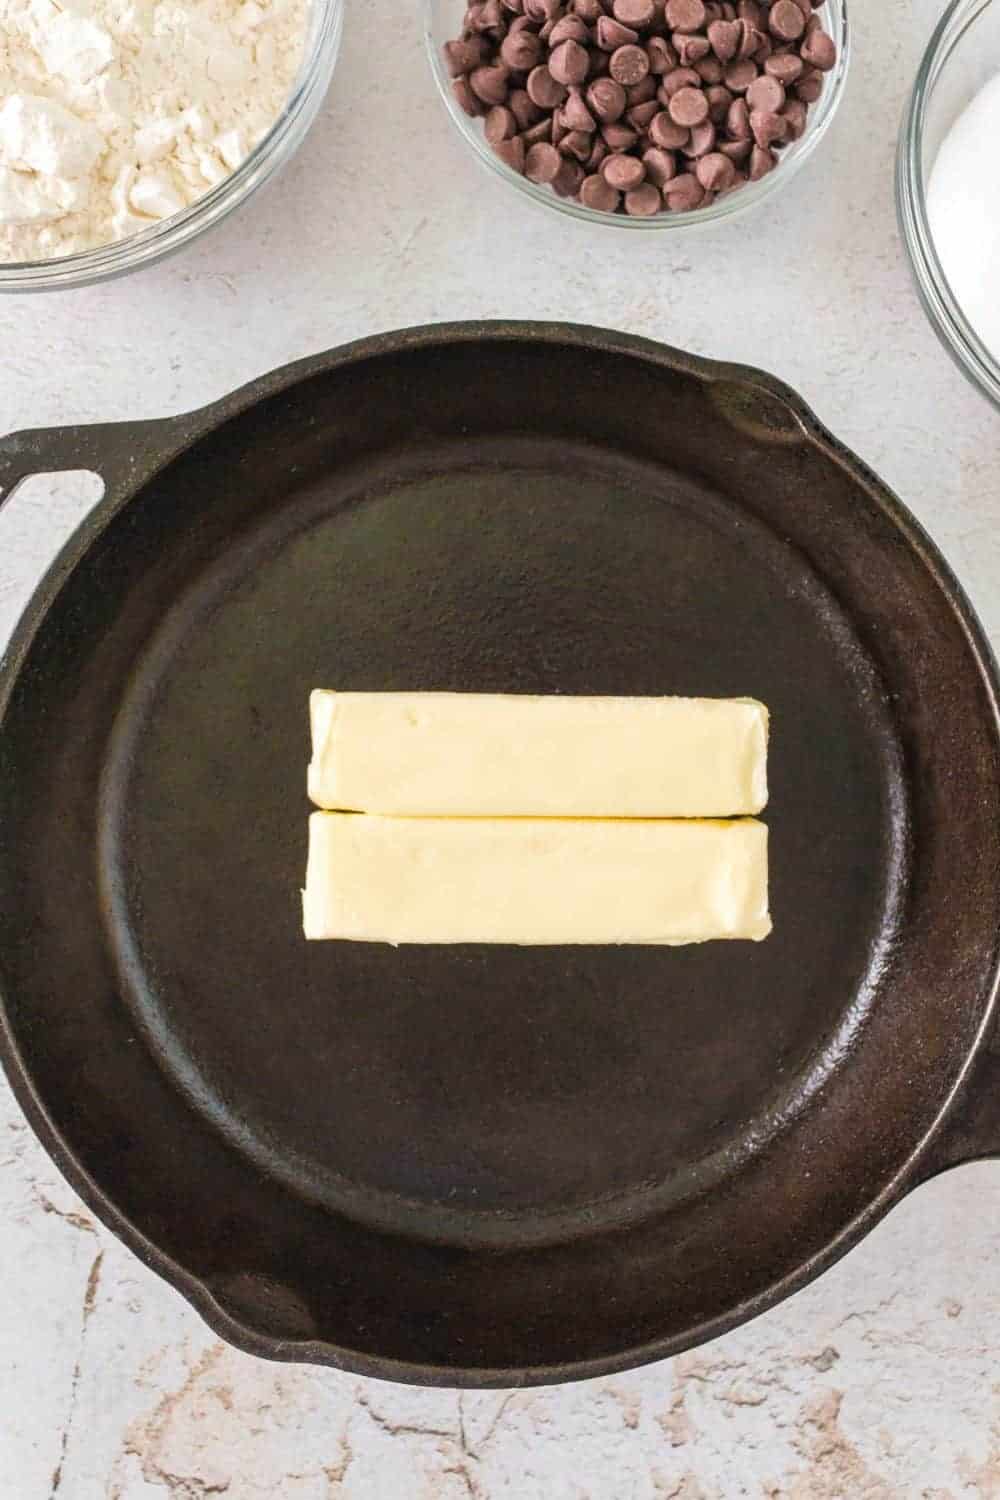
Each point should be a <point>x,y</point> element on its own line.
<point>878,1381</point>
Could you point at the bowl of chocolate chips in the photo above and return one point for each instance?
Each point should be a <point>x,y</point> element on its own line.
<point>648,114</point>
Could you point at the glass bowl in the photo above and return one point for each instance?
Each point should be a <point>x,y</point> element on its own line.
<point>962,55</point>
<point>442,23</point>
<point>169,235</point>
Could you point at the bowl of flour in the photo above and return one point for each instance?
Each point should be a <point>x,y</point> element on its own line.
<point>128,127</point>
<point>949,207</point>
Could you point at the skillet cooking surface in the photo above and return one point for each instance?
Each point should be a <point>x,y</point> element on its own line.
<point>477,1160</point>
<point>438,1087</point>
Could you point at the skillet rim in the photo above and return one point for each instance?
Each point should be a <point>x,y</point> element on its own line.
<point>164,441</point>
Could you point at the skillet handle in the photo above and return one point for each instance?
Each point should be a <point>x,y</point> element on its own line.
<point>971,1130</point>
<point>120,453</point>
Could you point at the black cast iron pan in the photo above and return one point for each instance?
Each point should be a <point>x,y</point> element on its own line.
<point>482,1166</point>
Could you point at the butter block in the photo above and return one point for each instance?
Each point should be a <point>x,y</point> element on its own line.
<point>497,755</point>
<point>530,880</point>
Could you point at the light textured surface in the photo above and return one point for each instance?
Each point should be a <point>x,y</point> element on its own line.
<point>882,1380</point>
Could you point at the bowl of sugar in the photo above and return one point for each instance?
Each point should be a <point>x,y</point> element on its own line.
<point>127,131</point>
<point>949,205</point>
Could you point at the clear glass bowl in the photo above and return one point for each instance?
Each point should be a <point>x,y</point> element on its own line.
<point>170,235</point>
<point>962,55</point>
<point>442,23</point>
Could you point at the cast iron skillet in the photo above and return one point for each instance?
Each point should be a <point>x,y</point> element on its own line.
<point>482,1166</point>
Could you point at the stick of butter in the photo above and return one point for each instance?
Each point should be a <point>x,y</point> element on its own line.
<point>497,755</point>
<point>531,880</point>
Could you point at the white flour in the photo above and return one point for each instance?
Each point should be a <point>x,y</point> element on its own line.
<point>964,212</point>
<point>117,113</point>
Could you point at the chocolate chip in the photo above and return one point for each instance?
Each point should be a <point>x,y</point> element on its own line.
<point>569,29</point>
<point>569,179</point>
<point>644,201</point>
<point>688,107</point>
<point>466,99</point>
<point>500,124</point>
<point>461,57</point>
<point>640,115</point>
<point>737,150</point>
<point>738,121</point>
<point>709,70</point>
<point>576,143</point>
<point>786,21</point>
<point>525,112</point>
<point>725,37</point>
<point>809,87</point>
<point>641,92</point>
<point>703,140</point>
<point>663,132</point>
<point>623,172</point>
<point>521,51</point>
<point>684,193</point>
<point>569,63</point>
<point>540,132</point>
<point>795,113</point>
<point>719,100</point>
<point>740,75</point>
<point>542,163</point>
<point>485,17</point>
<point>750,39</point>
<point>767,94</point>
<point>819,51</point>
<point>786,67</point>
<point>660,165</point>
<point>634,13</point>
<point>489,84</point>
<point>662,57</point>
<point>691,49</point>
<point>680,78</point>
<point>588,10</point>
<point>685,15</point>
<point>762,162</point>
<point>596,193</point>
<point>619,137</point>
<point>611,35</point>
<point>576,115</point>
<point>767,127</point>
<point>607,100</point>
<point>629,65</point>
<point>596,156</point>
<point>511,153</point>
<point>715,172</point>
<point>543,89</point>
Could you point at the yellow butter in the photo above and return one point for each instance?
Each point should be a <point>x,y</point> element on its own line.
<point>527,881</point>
<point>470,754</point>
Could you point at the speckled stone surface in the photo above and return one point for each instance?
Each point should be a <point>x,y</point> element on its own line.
<point>881,1380</point>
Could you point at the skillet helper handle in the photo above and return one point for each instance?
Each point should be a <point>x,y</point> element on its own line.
<point>120,453</point>
<point>971,1130</point>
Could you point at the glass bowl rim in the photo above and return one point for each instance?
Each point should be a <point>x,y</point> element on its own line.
<point>119,257</point>
<point>732,204</point>
<point>942,308</point>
